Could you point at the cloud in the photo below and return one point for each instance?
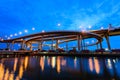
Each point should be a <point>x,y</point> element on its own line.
<point>95,16</point>
<point>99,5</point>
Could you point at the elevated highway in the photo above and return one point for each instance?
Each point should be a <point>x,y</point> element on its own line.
<point>64,36</point>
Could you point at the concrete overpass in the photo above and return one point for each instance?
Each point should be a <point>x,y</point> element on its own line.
<point>64,36</point>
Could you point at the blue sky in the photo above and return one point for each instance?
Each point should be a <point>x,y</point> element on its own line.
<point>18,15</point>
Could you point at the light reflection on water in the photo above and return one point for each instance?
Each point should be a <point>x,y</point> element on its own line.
<point>36,68</point>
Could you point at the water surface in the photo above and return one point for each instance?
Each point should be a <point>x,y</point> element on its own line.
<point>59,68</point>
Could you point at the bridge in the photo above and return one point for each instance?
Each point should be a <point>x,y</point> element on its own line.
<point>58,37</point>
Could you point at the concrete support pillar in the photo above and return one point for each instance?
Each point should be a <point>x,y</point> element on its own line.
<point>39,48</point>
<point>81,42</point>
<point>108,42</point>
<point>84,44</point>
<point>56,44</point>
<point>23,45</point>
<point>66,46</point>
<point>8,46</point>
<point>97,46</point>
<point>40,45</point>
<point>13,45</point>
<point>52,45</point>
<point>78,40</point>
<point>31,48</point>
<point>101,45</point>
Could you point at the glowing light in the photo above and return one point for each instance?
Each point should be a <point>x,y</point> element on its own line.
<point>75,62</point>
<point>15,34</point>
<point>58,65</point>
<point>6,75</point>
<point>58,24</point>
<point>8,38</point>
<point>42,63</point>
<point>1,71</point>
<point>97,66</point>
<point>89,27</point>
<point>43,31</point>
<point>91,64</point>
<point>15,64</point>
<point>25,31</point>
<point>109,64</point>
<point>26,62</point>
<point>11,35</point>
<point>17,78</point>
<point>53,62</point>
<point>106,49</point>
<point>33,28</point>
<point>114,60</point>
<point>102,27</point>
<point>11,76</point>
<point>20,71</point>
<point>20,33</point>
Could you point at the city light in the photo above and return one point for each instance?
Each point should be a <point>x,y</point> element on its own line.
<point>33,28</point>
<point>25,31</point>
<point>58,24</point>
<point>11,35</point>
<point>102,27</point>
<point>89,27</point>
<point>15,34</point>
<point>43,31</point>
<point>20,33</point>
<point>106,49</point>
<point>8,38</point>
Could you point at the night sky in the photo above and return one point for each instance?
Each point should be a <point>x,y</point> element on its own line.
<point>23,17</point>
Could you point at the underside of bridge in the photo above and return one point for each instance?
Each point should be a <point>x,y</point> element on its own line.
<point>59,37</point>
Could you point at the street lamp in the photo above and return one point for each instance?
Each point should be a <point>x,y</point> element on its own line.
<point>102,27</point>
<point>11,35</point>
<point>26,31</point>
<point>33,28</point>
<point>43,31</point>
<point>8,38</point>
<point>58,24</point>
<point>20,33</point>
<point>89,27</point>
<point>15,34</point>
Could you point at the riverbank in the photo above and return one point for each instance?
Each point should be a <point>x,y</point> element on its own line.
<point>29,53</point>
